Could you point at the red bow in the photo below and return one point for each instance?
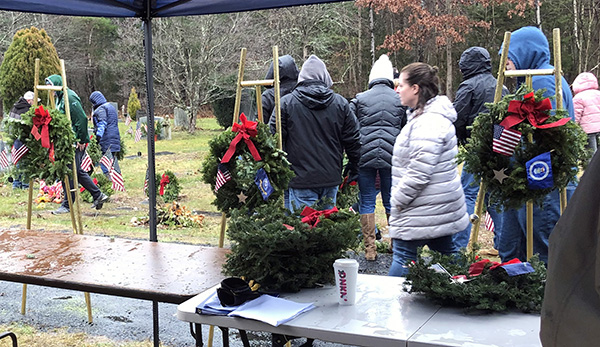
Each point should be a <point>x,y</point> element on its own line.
<point>245,131</point>
<point>163,182</point>
<point>534,111</point>
<point>42,120</point>
<point>312,216</point>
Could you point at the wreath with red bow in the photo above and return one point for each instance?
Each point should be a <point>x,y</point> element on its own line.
<point>48,141</point>
<point>167,186</point>
<point>236,156</point>
<point>505,176</point>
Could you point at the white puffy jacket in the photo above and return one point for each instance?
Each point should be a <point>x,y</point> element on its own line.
<point>427,197</point>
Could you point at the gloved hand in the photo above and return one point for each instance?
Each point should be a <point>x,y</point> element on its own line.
<point>98,138</point>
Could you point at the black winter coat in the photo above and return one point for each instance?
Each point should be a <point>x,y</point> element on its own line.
<point>317,126</point>
<point>380,116</point>
<point>288,77</point>
<point>475,91</point>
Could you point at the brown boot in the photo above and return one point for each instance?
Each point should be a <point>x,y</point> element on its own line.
<point>367,222</point>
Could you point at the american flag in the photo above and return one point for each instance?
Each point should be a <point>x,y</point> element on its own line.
<point>4,159</point>
<point>146,182</point>
<point>223,176</point>
<point>86,162</point>
<point>17,154</point>
<point>127,120</point>
<point>489,222</point>
<point>118,184</point>
<point>130,130</point>
<point>505,140</point>
<point>138,134</point>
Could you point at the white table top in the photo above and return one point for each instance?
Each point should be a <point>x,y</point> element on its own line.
<point>384,315</point>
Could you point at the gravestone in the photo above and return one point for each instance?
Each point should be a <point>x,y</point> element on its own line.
<point>180,118</point>
<point>143,120</point>
<point>139,114</point>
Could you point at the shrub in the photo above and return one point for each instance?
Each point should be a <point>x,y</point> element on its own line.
<point>133,104</point>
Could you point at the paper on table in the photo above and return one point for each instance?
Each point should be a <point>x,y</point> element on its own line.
<point>271,310</point>
<point>210,304</point>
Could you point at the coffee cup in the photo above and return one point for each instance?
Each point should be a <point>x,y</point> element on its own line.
<point>346,271</point>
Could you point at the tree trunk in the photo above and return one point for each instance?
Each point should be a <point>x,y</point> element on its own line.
<point>576,33</point>
<point>372,31</point>
<point>449,70</point>
<point>359,57</point>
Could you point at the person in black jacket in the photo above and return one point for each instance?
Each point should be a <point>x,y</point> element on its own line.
<point>381,116</point>
<point>288,77</point>
<point>317,126</point>
<point>21,106</point>
<point>477,89</point>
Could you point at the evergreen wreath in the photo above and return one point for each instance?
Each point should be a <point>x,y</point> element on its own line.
<point>243,169</point>
<point>102,182</point>
<point>279,251</point>
<point>36,163</point>
<point>171,189</point>
<point>566,144</point>
<point>492,290</point>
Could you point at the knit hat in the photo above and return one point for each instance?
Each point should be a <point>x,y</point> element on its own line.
<point>314,69</point>
<point>29,95</point>
<point>382,69</point>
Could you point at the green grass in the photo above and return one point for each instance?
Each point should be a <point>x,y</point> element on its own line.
<point>185,153</point>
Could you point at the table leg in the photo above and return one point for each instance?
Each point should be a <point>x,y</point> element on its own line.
<point>197,334</point>
<point>155,323</point>
<point>244,338</point>
<point>225,338</point>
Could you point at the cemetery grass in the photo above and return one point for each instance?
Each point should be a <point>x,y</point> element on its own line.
<point>183,155</point>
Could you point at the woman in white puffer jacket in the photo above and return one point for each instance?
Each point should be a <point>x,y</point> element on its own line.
<point>428,203</point>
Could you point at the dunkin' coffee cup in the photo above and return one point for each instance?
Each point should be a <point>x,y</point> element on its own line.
<point>346,271</point>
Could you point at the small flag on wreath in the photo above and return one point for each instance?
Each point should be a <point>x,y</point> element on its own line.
<point>264,185</point>
<point>223,176</point>
<point>539,172</point>
<point>505,140</point>
<point>18,153</point>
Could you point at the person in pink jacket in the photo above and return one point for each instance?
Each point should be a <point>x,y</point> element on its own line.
<point>587,106</point>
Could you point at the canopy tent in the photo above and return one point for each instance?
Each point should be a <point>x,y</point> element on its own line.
<point>146,10</point>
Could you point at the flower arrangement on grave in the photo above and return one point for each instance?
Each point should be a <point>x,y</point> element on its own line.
<point>468,281</point>
<point>167,186</point>
<point>47,152</point>
<point>522,151</point>
<point>287,252</point>
<point>49,193</point>
<point>245,168</point>
<point>102,182</point>
<point>172,215</point>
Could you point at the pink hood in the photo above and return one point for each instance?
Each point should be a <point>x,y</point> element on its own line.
<point>585,81</point>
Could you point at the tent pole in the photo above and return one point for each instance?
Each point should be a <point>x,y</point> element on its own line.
<point>150,123</point>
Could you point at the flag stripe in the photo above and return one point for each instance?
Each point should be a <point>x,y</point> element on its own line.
<point>4,159</point>
<point>489,222</point>
<point>505,140</point>
<point>17,154</point>
<point>223,176</point>
<point>138,134</point>
<point>86,162</point>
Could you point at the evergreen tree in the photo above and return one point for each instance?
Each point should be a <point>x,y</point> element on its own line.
<point>18,66</point>
<point>133,105</point>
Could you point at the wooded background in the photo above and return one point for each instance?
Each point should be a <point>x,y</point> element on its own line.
<point>196,58</point>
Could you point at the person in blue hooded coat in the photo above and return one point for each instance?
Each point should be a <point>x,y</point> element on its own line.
<point>529,49</point>
<point>106,127</point>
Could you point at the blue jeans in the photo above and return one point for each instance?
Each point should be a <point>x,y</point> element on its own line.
<point>82,178</point>
<point>513,237</point>
<point>298,198</point>
<point>406,251</point>
<point>471,189</point>
<point>368,193</point>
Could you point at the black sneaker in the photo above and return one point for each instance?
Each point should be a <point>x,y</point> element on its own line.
<point>98,203</point>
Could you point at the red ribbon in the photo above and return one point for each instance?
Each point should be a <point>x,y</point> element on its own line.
<point>312,216</point>
<point>477,268</point>
<point>512,261</point>
<point>163,182</point>
<point>534,111</point>
<point>245,130</point>
<point>42,120</point>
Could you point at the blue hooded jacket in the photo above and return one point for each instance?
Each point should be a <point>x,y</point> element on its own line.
<point>106,123</point>
<point>529,49</point>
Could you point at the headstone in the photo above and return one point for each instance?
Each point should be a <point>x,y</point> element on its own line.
<point>162,134</point>
<point>115,105</point>
<point>180,118</point>
<point>140,114</point>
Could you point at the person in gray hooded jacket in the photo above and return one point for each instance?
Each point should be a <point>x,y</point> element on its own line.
<point>381,116</point>
<point>317,126</point>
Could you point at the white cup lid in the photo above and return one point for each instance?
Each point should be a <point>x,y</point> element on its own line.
<point>346,262</point>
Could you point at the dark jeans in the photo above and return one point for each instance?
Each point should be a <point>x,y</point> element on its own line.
<point>406,251</point>
<point>83,178</point>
